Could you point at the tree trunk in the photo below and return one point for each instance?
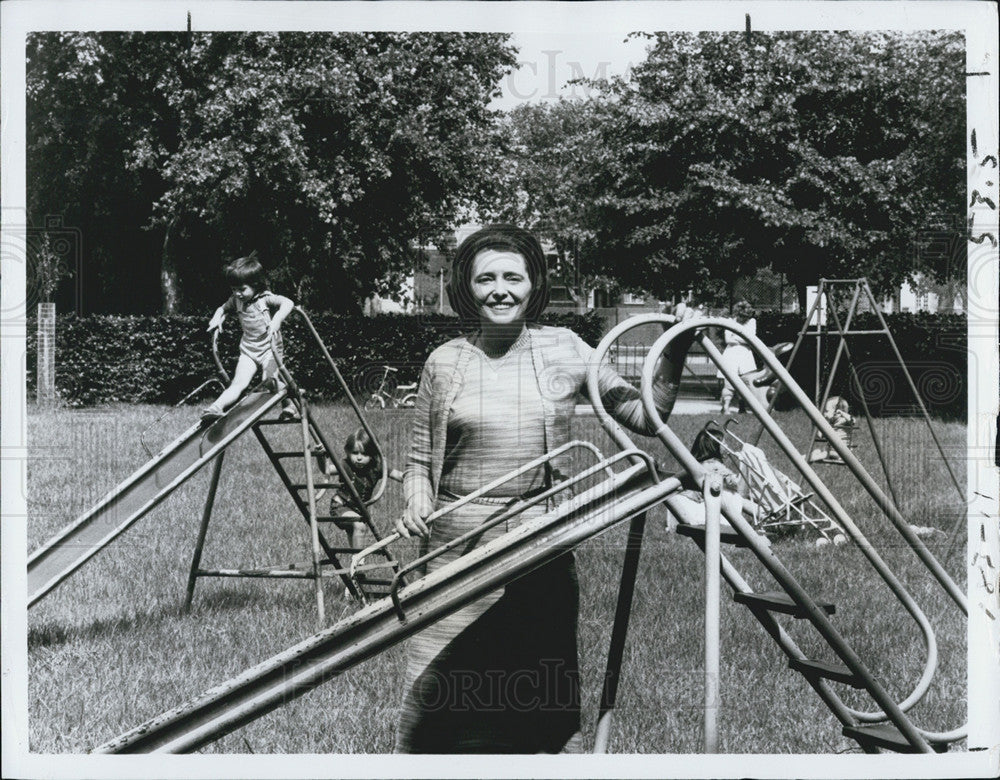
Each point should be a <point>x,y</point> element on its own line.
<point>170,283</point>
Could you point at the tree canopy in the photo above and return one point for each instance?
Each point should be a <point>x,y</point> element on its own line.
<point>550,150</point>
<point>815,154</point>
<point>330,154</point>
<point>333,155</point>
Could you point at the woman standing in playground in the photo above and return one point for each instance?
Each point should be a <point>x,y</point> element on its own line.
<point>501,674</point>
<point>253,305</point>
<point>737,356</point>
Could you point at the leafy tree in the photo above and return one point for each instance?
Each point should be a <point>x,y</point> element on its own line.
<point>79,133</point>
<point>817,154</point>
<point>550,150</point>
<point>328,153</point>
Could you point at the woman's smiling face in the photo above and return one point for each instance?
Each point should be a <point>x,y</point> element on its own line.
<point>501,286</point>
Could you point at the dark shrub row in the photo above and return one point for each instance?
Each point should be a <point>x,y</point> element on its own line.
<point>933,346</point>
<point>160,359</point>
<point>139,359</point>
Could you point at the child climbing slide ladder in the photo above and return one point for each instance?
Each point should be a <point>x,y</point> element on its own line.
<point>141,492</point>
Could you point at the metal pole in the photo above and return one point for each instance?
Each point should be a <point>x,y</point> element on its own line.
<point>820,324</point>
<point>311,493</point>
<point>617,649</point>
<point>206,515</point>
<point>713,511</point>
<point>441,290</point>
<point>913,389</point>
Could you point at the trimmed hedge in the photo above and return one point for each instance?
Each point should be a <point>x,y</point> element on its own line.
<point>933,346</point>
<point>138,359</point>
<point>160,359</point>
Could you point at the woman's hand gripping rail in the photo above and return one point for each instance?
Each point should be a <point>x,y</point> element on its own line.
<point>516,508</point>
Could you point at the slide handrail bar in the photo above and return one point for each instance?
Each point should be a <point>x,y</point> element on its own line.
<point>358,557</point>
<point>512,511</point>
<point>679,450</point>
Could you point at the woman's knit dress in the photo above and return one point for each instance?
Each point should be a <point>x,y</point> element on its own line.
<point>501,674</point>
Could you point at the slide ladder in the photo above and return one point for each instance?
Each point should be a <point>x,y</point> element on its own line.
<point>303,465</point>
<point>890,726</point>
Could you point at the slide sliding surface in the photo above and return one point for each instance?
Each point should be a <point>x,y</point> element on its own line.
<point>76,544</point>
<point>301,668</point>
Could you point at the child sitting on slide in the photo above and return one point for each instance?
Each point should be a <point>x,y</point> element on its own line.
<point>253,305</point>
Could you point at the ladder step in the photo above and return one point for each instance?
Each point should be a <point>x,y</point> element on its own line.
<point>888,737</point>
<point>778,601</point>
<point>317,451</point>
<point>828,671</point>
<point>289,573</point>
<point>316,485</point>
<point>276,421</point>
<point>727,534</point>
<point>359,570</point>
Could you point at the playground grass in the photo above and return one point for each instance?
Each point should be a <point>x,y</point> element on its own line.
<point>113,646</point>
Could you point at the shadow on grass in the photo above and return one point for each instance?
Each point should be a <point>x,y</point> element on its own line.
<point>218,601</point>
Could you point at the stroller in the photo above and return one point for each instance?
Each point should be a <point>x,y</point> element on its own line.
<point>778,506</point>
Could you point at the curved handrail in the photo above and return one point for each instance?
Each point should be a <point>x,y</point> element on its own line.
<point>679,450</point>
<point>615,431</point>
<point>383,480</point>
<point>215,355</point>
<point>534,464</point>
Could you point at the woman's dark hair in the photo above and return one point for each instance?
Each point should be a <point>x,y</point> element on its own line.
<point>245,270</point>
<point>360,438</point>
<point>707,445</point>
<point>507,238</point>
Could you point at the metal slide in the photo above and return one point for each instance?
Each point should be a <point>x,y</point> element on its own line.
<point>368,632</point>
<point>77,543</point>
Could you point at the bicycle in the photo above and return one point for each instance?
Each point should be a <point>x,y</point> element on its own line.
<point>393,396</point>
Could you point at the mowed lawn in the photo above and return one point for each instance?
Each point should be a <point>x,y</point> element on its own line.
<point>112,646</point>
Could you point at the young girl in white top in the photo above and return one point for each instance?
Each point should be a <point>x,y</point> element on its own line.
<point>260,314</point>
<point>737,355</point>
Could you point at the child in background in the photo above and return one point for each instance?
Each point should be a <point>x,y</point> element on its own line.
<point>838,413</point>
<point>365,467</point>
<point>253,305</point>
<point>707,450</point>
<point>737,356</point>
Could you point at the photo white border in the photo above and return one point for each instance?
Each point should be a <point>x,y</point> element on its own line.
<point>979,21</point>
